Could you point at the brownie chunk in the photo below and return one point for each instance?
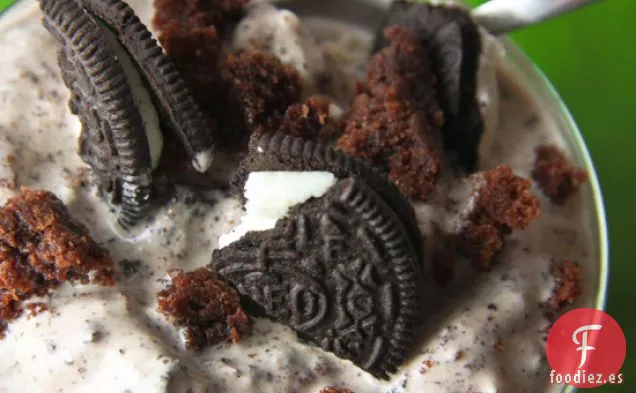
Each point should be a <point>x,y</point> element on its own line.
<point>206,308</point>
<point>394,121</point>
<point>190,16</point>
<point>556,177</point>
<point>192,33</point>
<point>332,389</point>
<point>41,246</point>
<point>568,277</point>
<point>260,88</point>
<point>503,203</point>
<point>402,71</point>
<point>311,121</point>
<point>453,43</point>
<point>391,137</point>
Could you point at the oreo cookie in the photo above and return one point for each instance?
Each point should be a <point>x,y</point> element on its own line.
<point>281,152</point>
<point>122,87</point>
<point>453,41</point>
<point>339,269</point>
<point>170,93</point>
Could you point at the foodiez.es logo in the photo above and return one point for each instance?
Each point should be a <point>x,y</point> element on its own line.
<point>586,348</point>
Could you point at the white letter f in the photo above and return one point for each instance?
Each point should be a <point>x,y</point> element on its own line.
<point>584,347</point>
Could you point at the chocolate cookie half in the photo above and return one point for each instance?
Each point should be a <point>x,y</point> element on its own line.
<point>173,98</point>
<point>122,87</point>
<point>340,269</point>
<point>113,142</point>
<point>280,152</point>
<point>453,42</point>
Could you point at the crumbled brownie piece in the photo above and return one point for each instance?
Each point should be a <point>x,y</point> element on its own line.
<point>402,71</point>
<point>394,121</point>
<point>556,177</point>
<point>453,42</point>
<point>332,389</point>
<point>260,88</point>
<point>311,121</point>
<point>34,309</point>
<point>41,246</point>
<point>391,137</point>
<point>503,203</point>
<point>207,308</point>
<point>568,279</point>
<point>191,15</point>
<point>192,33</point>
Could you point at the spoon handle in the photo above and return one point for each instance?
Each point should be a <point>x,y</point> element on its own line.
<point>503,16</point>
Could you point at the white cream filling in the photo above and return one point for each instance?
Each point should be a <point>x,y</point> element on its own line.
<point>141,97</point>
<point>270,195</point>
<point>202,160</point>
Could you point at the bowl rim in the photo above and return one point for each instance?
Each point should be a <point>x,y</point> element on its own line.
<point>522,60</point>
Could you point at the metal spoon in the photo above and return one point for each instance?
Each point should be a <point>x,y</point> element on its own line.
<point>504,16</point>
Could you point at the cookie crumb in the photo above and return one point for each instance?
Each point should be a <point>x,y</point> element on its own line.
<point>206,308</point>
<point>322,368</point>
<point>556,177</point>
<point>425,366</point>
<point>335,390</point>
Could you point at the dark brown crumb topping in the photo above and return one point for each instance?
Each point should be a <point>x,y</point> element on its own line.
<point>502,204</point>
<point>311,121</point>
<point>335,390</point>
<point>568,277</point>
<point>259,89</point>
<point>41,246</point>
<point>394,122</point>
<point>558,179</point>
<point>205,307</point>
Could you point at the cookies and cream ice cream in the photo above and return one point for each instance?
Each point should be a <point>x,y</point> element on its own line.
<point>483,331</point>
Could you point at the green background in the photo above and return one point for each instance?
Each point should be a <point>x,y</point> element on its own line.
<point>590,57</point>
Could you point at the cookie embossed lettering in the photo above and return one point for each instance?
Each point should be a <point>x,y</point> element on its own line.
<point>340,270</point>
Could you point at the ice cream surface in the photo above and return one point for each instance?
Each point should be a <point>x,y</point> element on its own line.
<point>485,331</point>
